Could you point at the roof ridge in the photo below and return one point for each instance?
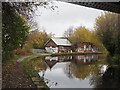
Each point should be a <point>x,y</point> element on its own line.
<point>62,41</point>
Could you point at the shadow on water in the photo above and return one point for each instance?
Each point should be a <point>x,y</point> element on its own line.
<point>111,77</point>
<point>77,71</point>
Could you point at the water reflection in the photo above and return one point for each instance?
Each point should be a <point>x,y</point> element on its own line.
<point>72,71</point>
<point>85,59</point>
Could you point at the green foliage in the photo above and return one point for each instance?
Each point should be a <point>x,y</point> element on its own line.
<point>14,30</point>
<point>114,60</point>
<point>108,30</point>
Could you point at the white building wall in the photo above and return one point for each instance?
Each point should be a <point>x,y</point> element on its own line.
<point>51,49</point>
<point>84,47</point>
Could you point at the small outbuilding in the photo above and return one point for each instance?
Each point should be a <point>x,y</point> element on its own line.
<point>85,47</point>
<point>56,45</point>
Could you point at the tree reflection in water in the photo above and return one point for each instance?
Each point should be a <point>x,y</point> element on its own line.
<point>37,64</point>
<point>83,66</point>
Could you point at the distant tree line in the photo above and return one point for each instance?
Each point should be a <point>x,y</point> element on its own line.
<point>37,39</point>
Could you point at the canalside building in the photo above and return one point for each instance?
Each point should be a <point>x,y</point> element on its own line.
<point>56,45</point>
<point>85,47</point>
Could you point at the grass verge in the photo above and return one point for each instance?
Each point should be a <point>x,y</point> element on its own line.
<point>29,70</point>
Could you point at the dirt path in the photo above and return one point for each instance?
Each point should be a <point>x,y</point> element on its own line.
<point>13,76</point>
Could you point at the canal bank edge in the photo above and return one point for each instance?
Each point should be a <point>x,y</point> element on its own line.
<point>36,79</point>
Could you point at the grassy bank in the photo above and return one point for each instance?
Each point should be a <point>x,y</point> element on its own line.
<point>29,65</point>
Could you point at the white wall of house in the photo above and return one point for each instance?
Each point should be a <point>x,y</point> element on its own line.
<point>79,49</point>
<point>84,47</point>
<point>51,49</point>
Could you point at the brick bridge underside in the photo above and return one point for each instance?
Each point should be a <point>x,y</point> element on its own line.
<point>113,6</point>
<point>107,6</point>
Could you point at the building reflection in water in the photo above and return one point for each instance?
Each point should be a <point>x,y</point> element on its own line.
<point>79,59</point>
<point>85,59</point>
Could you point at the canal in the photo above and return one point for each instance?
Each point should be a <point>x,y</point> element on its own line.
<point>77,71</point>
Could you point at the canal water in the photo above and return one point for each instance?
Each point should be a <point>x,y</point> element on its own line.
<point>77,71</point>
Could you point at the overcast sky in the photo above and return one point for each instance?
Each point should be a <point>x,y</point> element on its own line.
<point>65,16</point>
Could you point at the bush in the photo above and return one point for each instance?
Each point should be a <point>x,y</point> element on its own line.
<point>22,51</point>
<point>114,60</point>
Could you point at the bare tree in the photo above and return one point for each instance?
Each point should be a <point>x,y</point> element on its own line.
<point>69,32</point>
